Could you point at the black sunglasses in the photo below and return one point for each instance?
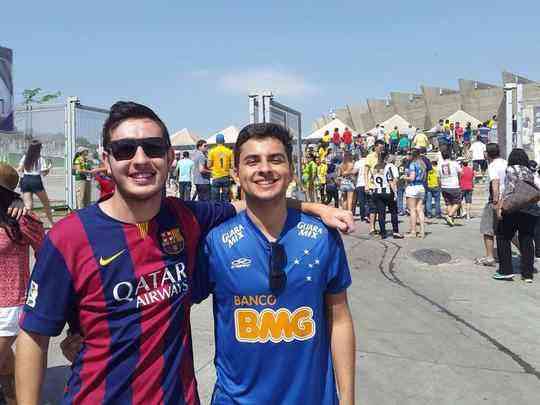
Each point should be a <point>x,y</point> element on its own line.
<point>125,149</point>
<point>278,260</point>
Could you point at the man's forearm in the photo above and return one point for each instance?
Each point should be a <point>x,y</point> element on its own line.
<point>343,353</point>
<point>30,361</point>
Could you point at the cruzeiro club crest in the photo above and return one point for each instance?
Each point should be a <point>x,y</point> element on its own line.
<point>172,241</point>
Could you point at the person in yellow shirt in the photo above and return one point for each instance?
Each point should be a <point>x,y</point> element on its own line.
<point>326,138</point>
<point>420,140</point>
<point>371,161</point>
<point>433,192</point>
<point>322,171</point>
<point>220,160</point>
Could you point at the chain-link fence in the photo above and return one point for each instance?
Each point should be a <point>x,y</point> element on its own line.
<point>61,128</point>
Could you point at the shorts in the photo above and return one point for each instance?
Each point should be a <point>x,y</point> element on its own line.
<point>31,183</point>
<point>9,320</point>
<point>452,196</point>
<point>346,186</point>
<point>488,222</point>
<point>415,191</point>
<point>370,203</point>
<point>467,196</point>
<point>480,165</point>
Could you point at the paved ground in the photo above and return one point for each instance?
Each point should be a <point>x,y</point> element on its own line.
<point>444,334</point>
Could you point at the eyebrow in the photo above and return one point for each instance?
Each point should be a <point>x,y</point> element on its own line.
<point>257,156</point>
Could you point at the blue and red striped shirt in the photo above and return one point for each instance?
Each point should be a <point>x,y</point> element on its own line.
<point>129,289</point>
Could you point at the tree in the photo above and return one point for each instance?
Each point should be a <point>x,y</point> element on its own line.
<point>30,96</point>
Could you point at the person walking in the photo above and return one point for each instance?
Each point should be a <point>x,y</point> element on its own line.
<point>322,170</point>
<point>394,140</point>
<point>466,182</point>
<point>83,177</point>
<point>346,181</point>
<point>433,192</point>
<point>414,194</point>
<point>201,174</point>
<point>33,166</point>
<point>16,238</point>
<point>523,221</point>
<point>478,151</point>
<point>220,160</point>
<point>184,169</point>
<point>449,172</point>
<point>359,198</point>
<point>347,139</point>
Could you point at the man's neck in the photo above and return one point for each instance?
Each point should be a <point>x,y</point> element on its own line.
<point>268,216</point>
<point>131,211</point>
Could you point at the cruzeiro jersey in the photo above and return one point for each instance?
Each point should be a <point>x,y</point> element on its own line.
<point>273,349</point>
<point>129,289</point>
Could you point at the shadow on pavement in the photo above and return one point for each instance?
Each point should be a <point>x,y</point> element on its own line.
<point>55,381</point>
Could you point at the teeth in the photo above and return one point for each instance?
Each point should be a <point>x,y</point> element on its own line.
<point>142,175</point>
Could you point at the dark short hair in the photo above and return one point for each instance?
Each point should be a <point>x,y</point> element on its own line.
<point>262,131</point>
<point>200,143</point>
<point>185,154</point>
<point>445,153</point>
<point>518,157</point>
<point>492,150</point>
<point>124,110</point>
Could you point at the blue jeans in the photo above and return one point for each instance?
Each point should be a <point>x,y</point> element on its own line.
<point>360,199</point>
<point>220,189</point>
<point>433,194</point>
<point>400,194</point>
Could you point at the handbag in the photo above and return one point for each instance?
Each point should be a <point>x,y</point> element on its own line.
<point>524,194</point>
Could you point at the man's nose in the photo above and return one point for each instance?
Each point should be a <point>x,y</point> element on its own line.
<point>140,156</point>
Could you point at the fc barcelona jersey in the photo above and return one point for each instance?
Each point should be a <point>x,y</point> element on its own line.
<point>129,288</point>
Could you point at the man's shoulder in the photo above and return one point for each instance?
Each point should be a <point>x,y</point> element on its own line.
<point>227,233</point>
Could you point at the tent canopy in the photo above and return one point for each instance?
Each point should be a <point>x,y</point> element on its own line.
<point>230,133</point>
<point>394,121</point>
<point>184,139</point>
<point>335,123</point>
<point>462,117</point>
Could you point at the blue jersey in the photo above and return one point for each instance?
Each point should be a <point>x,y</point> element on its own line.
<point>273,348</point>
<point>128,288</point>
<point>419,170</point>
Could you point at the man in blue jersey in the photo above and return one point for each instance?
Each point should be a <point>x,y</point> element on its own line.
<point>284,332</point>
<point>123,273</point>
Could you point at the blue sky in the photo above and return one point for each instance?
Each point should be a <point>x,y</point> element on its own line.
<point>195,62</point>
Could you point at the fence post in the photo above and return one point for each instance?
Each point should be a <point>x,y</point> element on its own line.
<point>71,118</point>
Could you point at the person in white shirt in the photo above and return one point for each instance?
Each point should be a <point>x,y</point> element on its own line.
<point>33,166</point>
<point>449,171</point>
<point>381,133</point>
<point>478,151</point>
<point>370,141</point>
<point>360,186</point>
<point>496,177</point>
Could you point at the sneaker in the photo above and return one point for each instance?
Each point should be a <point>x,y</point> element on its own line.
<point>528,280</point>
<point>499,276</point>
<point>449,220</point>
<point>410,235</point>
<point>397,235</point>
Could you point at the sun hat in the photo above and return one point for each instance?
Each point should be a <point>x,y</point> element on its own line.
<point>9,178</point>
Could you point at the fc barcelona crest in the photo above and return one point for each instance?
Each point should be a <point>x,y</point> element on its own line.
<point>172,241</point>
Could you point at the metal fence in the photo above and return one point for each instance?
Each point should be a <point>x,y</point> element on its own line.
<point>61,128</point>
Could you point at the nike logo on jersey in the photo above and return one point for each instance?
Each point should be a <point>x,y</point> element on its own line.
<point>240,263</point>
<point>106,261</point>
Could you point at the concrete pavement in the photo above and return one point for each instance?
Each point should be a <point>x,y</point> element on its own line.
<point>426,334</point>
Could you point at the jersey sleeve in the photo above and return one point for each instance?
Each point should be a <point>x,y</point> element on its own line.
<point>203,281</point>
<point>50,295</point>
<point>338,277</point>
<point>210,214</point>
<point>32,229</point>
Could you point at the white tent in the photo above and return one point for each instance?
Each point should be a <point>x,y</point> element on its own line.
<point>392,122</point>
<point>230,133</point>
<point>184,139</point>
<point>335,123</point>
<point>462,117</point>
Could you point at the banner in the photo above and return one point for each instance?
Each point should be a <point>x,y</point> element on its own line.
<point>6,90</point>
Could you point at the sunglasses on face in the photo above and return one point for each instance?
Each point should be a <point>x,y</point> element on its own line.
<point>278,259</point>
<point>125,149</point>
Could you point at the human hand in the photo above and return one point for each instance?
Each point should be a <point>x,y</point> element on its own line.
<point>338,219</point>
<point>17,209</point>
<point>71,345</point>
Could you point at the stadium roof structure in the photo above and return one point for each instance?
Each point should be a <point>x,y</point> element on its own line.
<point>184,138</point>
<point>336,123</point>
<point>394,121</point>
<point>230,133</point>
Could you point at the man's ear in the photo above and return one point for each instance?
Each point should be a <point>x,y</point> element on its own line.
<point>170,158</point>
<point>236,176</point>
<point>105,160</point>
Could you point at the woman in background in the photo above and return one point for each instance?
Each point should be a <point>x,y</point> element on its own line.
<point>16,237</point>
<point>33,167</point>
<point>346,181</point>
